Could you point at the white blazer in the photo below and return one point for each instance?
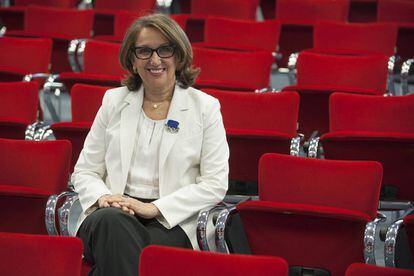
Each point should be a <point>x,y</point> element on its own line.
<point>193,163</point>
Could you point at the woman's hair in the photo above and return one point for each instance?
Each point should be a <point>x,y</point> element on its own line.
<point>185,73</point>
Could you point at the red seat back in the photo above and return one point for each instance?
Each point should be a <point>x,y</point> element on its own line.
<point>47,3</point>
<point>102,58</point>
<point>85,101</point>
<point>19,100</point>
<point>373,37</point>
<point>371,113</point>
<point>130,5</point>
<point>353,185</point>
<point>28,55</point>
<point>30,170</point>
<point>188,262</point>
<point>363,71</point>
<point>233,70</point>
<point>40,254</point>
<point>361,269</point>
<point>395,11</point>
<point>238,9</point>
<point>54,21</point>
<point>312,10</point>
<point>242,33</point>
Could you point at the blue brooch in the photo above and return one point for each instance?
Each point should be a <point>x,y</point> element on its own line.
<point>172,126</point>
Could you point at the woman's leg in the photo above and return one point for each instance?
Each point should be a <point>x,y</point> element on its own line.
<point>175,237</point>
<point>113,241</point>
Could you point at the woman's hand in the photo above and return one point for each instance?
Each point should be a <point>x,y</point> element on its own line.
<point>141,209</point>
<point>106,201</point>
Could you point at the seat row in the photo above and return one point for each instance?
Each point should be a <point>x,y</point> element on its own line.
<point>43,255</point>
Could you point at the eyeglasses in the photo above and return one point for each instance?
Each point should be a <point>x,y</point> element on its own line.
<point>164,51</point>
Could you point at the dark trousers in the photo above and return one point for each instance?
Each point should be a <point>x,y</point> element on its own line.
<point>113,240</point>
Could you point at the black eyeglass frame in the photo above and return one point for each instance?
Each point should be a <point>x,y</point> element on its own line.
<point>134,50</point>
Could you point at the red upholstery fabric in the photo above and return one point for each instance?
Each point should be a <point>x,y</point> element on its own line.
<point>129,5</point>
<point>39,255</point>
<point>300,11</point>
<point>85,102</point>
<point>48,3</point>
<point>237,9</point>
<point>309,210</point>
<point>232,70</point>
<point>321,182</point>
<point>18,108</point>
<point>374,128</point>
<point>21,56</point>
<point>97,70</point>
<point>366,72</point>
<point>269,130</point>
<point>25,186</point>
<point>225,33</point>
<point>186,262</point>
<point>395,11</point>
<point>361,269</point>
<point>374,37</point>
<point>371,113</point>
<point>19,99</point>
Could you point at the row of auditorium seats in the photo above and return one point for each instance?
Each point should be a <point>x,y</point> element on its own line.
<point>357,126</point>
<point>327,208</point>
<point>296,33</point>
<point>24,254</point>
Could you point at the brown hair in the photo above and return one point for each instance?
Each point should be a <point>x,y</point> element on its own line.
<point>185,73</point>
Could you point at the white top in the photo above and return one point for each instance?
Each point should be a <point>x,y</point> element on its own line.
<point>143,180</point>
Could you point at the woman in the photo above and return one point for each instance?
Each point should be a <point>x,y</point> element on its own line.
<point>155,156</point>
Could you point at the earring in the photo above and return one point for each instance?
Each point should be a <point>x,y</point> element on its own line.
<point>135,70</point>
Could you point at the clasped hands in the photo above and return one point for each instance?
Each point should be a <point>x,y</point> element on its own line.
<point>129,205</point>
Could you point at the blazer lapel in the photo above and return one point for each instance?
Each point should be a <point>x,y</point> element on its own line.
<point>129,123</point>
<point>177,106</point>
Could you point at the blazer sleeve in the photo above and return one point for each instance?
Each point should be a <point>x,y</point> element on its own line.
<point>88,176</point>
<point>211,185</point>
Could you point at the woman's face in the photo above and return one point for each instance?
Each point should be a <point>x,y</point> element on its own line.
<point>157,73</point>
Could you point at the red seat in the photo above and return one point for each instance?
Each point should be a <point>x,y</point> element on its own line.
<point>95,69</point>
<point>53,23</point>
<point>18,108</point>
<point>371,37</point>
<point>256,124</point>
<point>360,269</point>
<point>232,70</point>
<point>85,102</point>
<point>400,12</point>
<point>39,255</point>
<point>363,11</point>
<point>106,12</point>
<point>298,18</point>
<point>13,17</point>
<point>320,74</point>
<point>311,209</point>
<point>201,9</point>
<point>23,56</point>
<point>187,262</point>
<point>31,172</point>
<point>375,128</point>
<point>235,34</point>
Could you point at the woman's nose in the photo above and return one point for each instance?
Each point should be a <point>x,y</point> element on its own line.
<point>155,59</point>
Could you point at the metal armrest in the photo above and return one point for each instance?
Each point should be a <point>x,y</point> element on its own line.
<point>50,87</point>
<point>202,221</point>
<point>370,237</point>
<point>50,211</point>
<point>73,45</point>
<point>391,85</point>
<point>390,243</point>
<point>69,214</point>
<point>79,53</point>
<point>396,206</point>
<point>293,58</point>
<point>85,4</point>
<point>405,70</point>
<point>266,90</point>
<point>221,228</point>
<point>313,148</point>
<point>295,145</point>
